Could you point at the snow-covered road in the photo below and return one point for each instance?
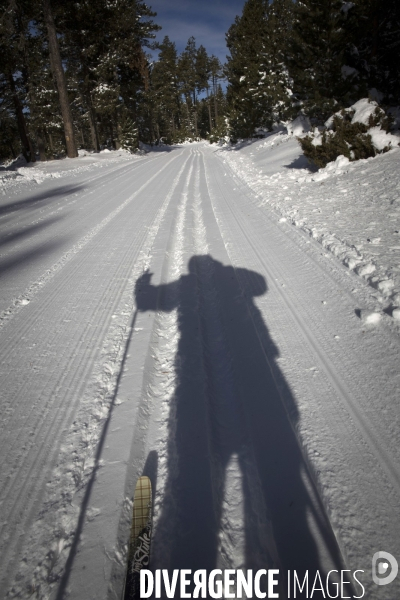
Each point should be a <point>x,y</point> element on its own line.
<point>155,319</point>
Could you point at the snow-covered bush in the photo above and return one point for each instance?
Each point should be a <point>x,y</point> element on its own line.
<point>299,126</point>
<point>128,134</point>
<point>183,135</point>
<point>220,133</point>
<point>360,131</point>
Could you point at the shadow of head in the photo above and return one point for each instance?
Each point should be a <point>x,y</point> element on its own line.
<point>255,284</point>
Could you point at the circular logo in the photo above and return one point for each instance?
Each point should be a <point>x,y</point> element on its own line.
<point>384,568</point>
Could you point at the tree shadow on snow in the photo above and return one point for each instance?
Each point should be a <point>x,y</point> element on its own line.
<point>39,200</point>
<point>302,162</point>
<point>232,446</point>
<point>26,259</point>
<point>16,234</point>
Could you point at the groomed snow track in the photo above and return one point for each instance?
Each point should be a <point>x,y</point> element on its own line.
<point>155,320</point>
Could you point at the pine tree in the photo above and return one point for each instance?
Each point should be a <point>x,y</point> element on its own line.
<point>108,64</point>
<point>373,48</point>
<point>84,27</point>
<point>59,75</point>
<point>386,58</point>
<point>14,31</point>
<point>203,70</point>
<point>188,84</point>
<point>133,30</point>
<point>276,83</point>
<point>9,138</point>
<point>316,57</point>
<point>82,67</point>
<point>245,68</point>
<point>203,118</point>
<point>44,110</point>
<point>221,130</point>
<point>216,74</point>
<point>165,86</point>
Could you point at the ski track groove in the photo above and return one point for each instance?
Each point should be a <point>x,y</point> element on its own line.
<point>80,369</point>
<point>95,205</point>
<point>320,353</point>
<point>98,176</point>
<point>82,376</point>
<point>356,426</point>
<point>59,205</point>
<point>46,428</point>
<point>47,276</point>
<point>160,389</point>
<point>153,400</point>
<point>219,382</point>
<point>280,323</point>
<point>33,289</point>
<point>216,369</point>
<point>83,336</point>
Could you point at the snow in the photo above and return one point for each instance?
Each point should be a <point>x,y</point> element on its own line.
<point>351,208</point>
<point>361,112</point>
<point>364,109</point>
<point>18,172</point>
<point>225,321</point>
<point>370,317</point>
<point>299,126</point>
<point>381,139</point>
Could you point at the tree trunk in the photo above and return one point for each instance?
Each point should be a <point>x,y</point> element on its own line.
<point>118,141</point>
<point>152,127</point>
<point>12,150</point>
<point>87,99</point>
<point>40,138</point>
<point>112,135</point>
<point>51,144</point>
<point>49,140</point>
<point>93,130</point>
<point>195,114</point>
<point>59,76</point>
<point>215,102</point>
<point>27,149</point>
<point>188,119</point>
<point>209,111</point>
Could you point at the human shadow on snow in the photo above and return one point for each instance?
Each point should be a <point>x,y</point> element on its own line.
<point>231,405</point>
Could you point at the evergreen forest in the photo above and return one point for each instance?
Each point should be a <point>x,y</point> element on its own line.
<point>78,74</point>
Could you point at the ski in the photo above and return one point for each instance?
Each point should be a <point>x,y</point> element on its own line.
<point>140,537</point>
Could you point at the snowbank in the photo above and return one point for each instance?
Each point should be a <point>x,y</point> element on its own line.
<point>382,140</point>
<point>351,208</point>
<point>18,172</point>
<point>299,126</point>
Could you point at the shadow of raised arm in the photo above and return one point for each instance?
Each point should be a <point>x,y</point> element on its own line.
<point>154,297</point>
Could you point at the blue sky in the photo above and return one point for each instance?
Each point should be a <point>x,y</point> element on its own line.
<point>206,20</point>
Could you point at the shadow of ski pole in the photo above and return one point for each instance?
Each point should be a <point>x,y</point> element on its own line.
<point>85,502</point>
